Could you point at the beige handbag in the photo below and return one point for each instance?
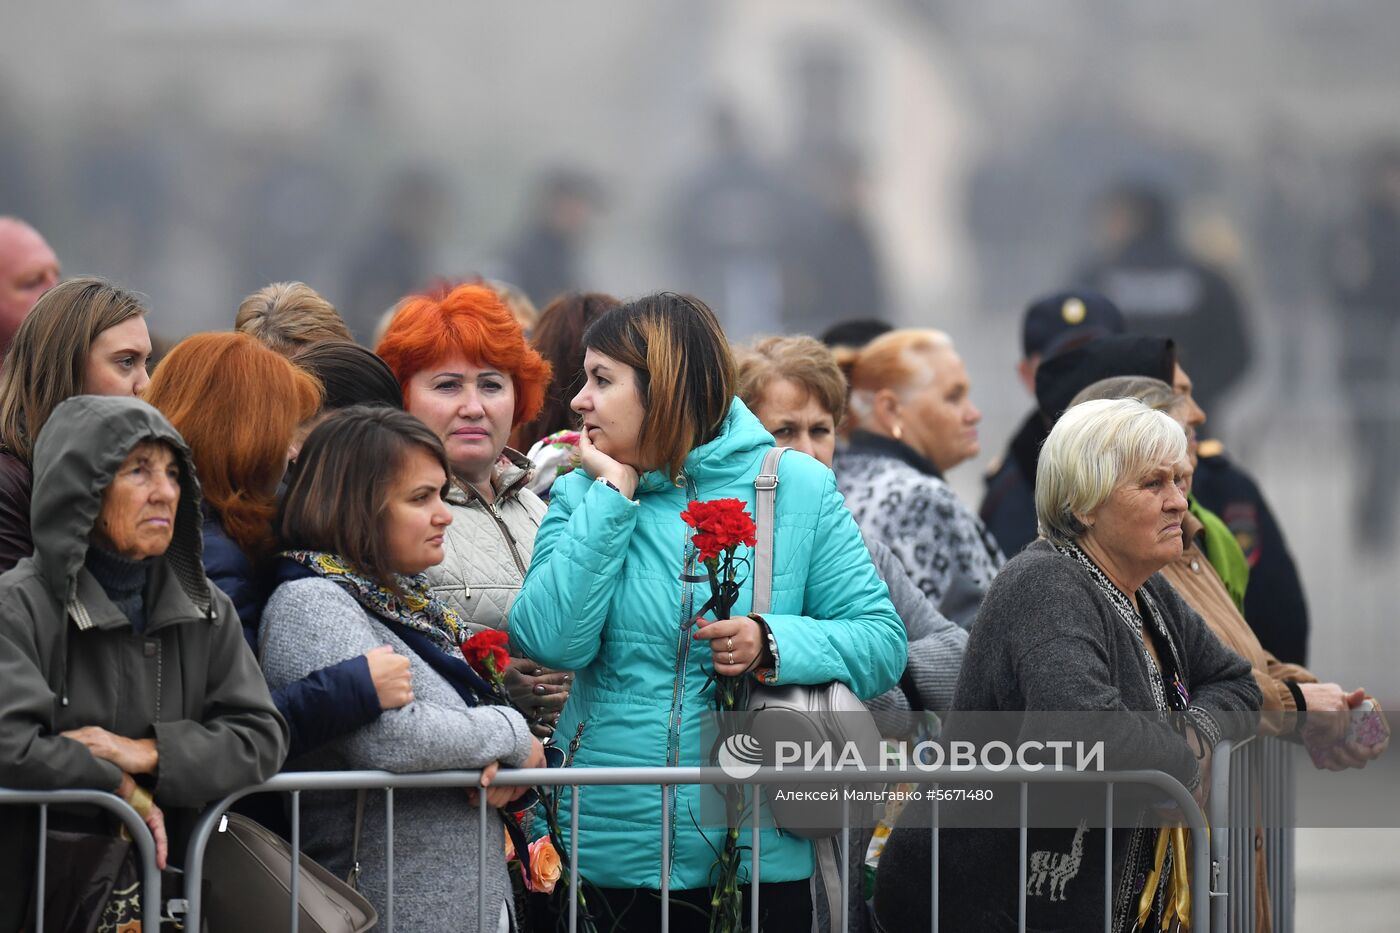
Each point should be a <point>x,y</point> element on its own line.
<point>809,714</point>
<point>249,872</point>
<point>806,713</point>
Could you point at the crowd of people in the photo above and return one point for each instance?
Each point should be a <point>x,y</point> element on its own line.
<point>267,554</point>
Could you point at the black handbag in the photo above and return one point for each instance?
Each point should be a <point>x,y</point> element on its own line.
<point>92,883</point>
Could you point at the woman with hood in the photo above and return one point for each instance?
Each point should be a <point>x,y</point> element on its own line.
<point>125,669</point>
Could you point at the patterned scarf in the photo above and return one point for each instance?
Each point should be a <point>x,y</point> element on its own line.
<point>414,607</point>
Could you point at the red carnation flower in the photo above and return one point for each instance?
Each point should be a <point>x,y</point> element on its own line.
<point>720,525</point>
<point>486,653</point>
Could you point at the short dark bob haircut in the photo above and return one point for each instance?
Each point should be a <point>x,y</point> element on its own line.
<point>339,490</point>
<point>351,375</point>
<point>686,372</point>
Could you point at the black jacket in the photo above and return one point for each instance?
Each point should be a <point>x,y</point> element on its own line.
<point>1008,507</point>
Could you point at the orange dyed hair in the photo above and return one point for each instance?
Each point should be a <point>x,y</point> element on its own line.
<point>470,320</point>
<point>237,404</point>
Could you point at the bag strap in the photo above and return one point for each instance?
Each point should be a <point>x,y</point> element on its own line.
<point>826,883</point>
<point>765,486</point>
<point>353,879</point>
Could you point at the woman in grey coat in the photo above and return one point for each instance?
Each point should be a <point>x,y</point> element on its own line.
<point>1080,638</point>
<point>123,668</point>
<point>363,518</point>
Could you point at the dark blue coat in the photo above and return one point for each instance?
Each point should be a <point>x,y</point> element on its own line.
<point>322,706</point>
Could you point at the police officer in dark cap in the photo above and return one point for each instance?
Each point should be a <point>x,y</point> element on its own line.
<point>1053,323</point>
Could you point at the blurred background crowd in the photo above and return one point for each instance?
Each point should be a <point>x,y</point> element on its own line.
<point>927,162</point>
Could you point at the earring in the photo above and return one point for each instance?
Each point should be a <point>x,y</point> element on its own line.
<point>899,432</point>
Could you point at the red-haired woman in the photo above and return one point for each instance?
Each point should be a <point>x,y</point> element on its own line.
<point>468,374</point>
<point>237,404</point>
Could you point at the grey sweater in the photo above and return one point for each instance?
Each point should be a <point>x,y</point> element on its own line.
<point>312,623</point>
<point>1048,643</point>
<point>936,643</point>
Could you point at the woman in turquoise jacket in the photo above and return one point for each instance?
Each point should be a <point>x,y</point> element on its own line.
<point>604,597</point>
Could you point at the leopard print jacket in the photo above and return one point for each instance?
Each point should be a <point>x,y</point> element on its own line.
<point>899,498</point>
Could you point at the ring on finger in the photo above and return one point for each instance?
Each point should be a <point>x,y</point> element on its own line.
<point>729,645</point>
<point>731,657</point>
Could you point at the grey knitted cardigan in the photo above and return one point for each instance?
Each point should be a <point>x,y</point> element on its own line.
<point>1048,639</point>
<point>312,623</point>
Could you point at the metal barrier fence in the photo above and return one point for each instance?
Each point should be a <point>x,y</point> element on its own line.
<point>140,837</point>
<point>296,783</point>
<point>1251,795</point>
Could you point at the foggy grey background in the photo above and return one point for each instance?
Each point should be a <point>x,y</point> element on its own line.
<point>196,150</point>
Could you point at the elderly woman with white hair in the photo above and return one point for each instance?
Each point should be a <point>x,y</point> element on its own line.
<point>1080,622</point>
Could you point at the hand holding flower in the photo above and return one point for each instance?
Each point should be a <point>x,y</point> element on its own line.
<point>736,644</point>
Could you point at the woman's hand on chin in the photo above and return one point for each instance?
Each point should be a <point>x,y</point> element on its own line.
<point>601,466</point>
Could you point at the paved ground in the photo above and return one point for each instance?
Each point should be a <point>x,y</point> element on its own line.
<point>1348,880</point>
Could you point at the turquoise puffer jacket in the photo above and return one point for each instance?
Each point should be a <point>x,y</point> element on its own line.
<point>603,597</point>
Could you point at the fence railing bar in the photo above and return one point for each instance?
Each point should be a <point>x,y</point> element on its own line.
<point>665,862</point>
<point>754,862</point>
<point>388,860</point>
<point>933,852</point>
<point>295,886</point>
<point>43,862</point>
<point>481,817</point>
<point>1021,863</point>
<point>1250,822</point>
<point>1108,858</point>
<point>845,858</point>
<point>573,858</point>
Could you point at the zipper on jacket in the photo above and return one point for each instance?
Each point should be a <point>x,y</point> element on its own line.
<point>510,539</point>
<point>673,727</point>
<point>500,524</point>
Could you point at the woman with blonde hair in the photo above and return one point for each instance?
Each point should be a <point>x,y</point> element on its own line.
<point>288,317</point>
<point>912,420</point>
<point>84,336</point>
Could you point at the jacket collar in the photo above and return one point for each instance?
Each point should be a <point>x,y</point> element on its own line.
<point>167,602</point>
<point>868,442</point>
<point>1192,528</point>
<point>729,455</point>
<point>511,474</point>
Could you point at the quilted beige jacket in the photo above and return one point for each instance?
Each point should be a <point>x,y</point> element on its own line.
<point>488,547</point>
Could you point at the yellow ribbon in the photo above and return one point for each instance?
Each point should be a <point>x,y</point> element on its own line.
<point>1178,886</point>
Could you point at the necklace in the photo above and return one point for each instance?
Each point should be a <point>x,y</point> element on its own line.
<point>1127,614</point>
